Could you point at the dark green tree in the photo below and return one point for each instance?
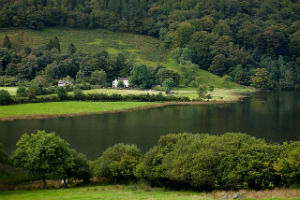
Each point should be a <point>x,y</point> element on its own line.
<point>5,98</point>
<point>140,76</point>
<point>121,84</point>
<point>43,153</point>
<point>72,48</point>
<point>56,44</point>
<point>62,93</point>
<point>6,42</point>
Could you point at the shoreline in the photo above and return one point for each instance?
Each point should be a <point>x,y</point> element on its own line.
<point>159,105</point>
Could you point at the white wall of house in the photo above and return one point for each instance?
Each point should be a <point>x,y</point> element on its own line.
<point>116,81</point>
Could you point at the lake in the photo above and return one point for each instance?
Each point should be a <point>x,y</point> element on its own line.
<point>273,116</point>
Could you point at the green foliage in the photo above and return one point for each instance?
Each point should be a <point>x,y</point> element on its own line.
<point>261,79</point>
<point>72,48</point>
<point>5,98</point>
<point>118,162</point>
<point>168,84</point>
<point>62,93</point>
<point>78,94</point>
<point>98,78</point>
<point>140,76</point>
<point>43,153</point>
<point>21,92</point>
<point>202,91</point>
<point>120,84</point>
<point>152,166</point>
<point>81,168</point>
<point>6,42</point>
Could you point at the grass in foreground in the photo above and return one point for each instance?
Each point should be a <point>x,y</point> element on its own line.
<point>102,192</point>
<point>74,107</point>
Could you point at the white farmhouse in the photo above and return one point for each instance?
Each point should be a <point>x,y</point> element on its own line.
<point>116,81</point>
<point>64,83</point>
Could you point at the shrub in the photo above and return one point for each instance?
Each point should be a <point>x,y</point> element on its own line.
<point>5,98</point>
<point>78,94</point>
<point>21,92</point>
<point>62,93</point>
<point>118,162</point>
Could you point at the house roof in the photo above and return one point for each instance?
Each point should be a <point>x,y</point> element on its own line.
<point>63,81</point>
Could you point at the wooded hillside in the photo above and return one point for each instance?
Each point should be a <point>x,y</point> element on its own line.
<point>254,42</point>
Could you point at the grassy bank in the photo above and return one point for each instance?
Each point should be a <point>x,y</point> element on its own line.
<point>65,108</point>
<point>102,192</point>
<point>137,192</point>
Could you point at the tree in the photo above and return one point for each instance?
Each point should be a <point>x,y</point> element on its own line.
<point>6,42</point>
<point>56,44</point>
<point>62,93</point>
<point>72,48</point>
<point>77,93</point>
<point>35,21</point>
<point>81,168</point>
<point>21,92</point>
<point>261,79</point>
<point>5,98</point>
<point>118,162</point>
<point>98,77</point>
<point>43,153</point>
<point>225,80</point>
<point>140,76</point>
<point>202,91</point>
<point>168,84</point>
<point>120,84</point>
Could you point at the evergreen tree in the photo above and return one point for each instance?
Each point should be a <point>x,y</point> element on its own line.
<point>6,42</point>
<point>72,48</point>
<point>56,44</point>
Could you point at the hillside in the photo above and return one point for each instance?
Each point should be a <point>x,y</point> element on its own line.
<point>90,44</point>
<point>254,42</point>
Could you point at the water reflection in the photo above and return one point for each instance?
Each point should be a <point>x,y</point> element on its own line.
<point>273,116</point>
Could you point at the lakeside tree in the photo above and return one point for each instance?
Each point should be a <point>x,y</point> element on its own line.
<point>43,153</point>
<point>5,98</point>
<point>118,163</point>
<point>202,91</point>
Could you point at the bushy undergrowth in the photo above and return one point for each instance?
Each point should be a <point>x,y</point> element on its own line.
<point>199,162</point>
<point>203,161</point>
<point>79,96</point>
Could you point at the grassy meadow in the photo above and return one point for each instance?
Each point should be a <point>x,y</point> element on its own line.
<point>133,192</point>
<point>103,192</point>
<point>63,108</point>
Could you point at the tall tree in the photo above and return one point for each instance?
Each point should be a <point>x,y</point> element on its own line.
<point>43,153</point>
<point>6,42</point>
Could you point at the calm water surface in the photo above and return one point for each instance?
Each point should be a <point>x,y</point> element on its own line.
<point>272,116</point>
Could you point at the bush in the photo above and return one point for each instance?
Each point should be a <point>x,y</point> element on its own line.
<point>78,94</point>
<point>62,93</point>
<point>118,162</point>
<point>21,92</point>
<point>5,98</point>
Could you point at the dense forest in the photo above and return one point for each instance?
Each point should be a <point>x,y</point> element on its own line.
<point>254,42</point>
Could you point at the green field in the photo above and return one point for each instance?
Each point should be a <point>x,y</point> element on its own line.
<point>74,107</point>
<point>102,192</point>
<point>132,192</point>
<point>147,48</point>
